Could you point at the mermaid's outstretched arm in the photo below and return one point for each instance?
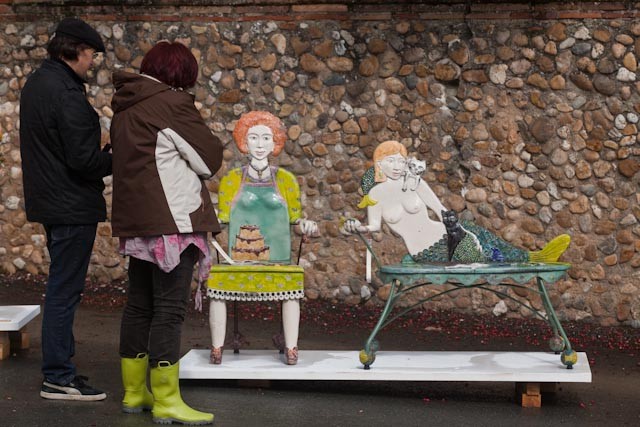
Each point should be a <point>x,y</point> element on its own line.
<point>374,215</point>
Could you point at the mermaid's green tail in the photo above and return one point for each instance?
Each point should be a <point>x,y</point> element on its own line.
<point>552,250</point>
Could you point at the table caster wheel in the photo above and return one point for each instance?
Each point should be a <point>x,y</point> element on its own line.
<point>569,358</point>
<point>367,358</point>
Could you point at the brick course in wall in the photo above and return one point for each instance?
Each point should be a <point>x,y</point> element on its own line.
<point>168,10</point>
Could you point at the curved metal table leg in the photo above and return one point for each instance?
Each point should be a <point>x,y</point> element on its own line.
<point>569,357</point>
<point>368,354</point>
<point>556,343</point>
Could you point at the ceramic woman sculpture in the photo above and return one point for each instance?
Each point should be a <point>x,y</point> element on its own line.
<point>403,208</point>
<point>260,202</point>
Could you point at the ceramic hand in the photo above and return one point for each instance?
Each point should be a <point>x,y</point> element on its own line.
<point>308,227</point>
<point>352,225</point>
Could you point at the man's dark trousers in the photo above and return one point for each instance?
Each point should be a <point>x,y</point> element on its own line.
<point>70,251</point>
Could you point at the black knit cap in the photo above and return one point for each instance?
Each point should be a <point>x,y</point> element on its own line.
<point>81,31</point>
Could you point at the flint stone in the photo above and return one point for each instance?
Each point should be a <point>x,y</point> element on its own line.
<point>580,205</point>
<point>628,220</point>
<point>604,85</point>
<point>625,75</point>
<point>369,66</point>
<point>377,46</point>
<point>411,82</point>
<point>542,129</point>
<point>521,66</point>
<point>630,62</point>
<point>620,121</point>
<point>446,70</point>
<point>12,203</point>
<point>597,50</point>
<point>606,66</point>
<point>299,46</point>
<point>356,88</point>
<point>413,55</point>
<point>475,76</point>
<point>557,32</point>
<point>618,50</point>
<point>505,53</point>
<point>567,43</point>
<point>311,64</point>
<point>280,43</point>
<point>537,80</point>
<point>581,48</point>
<point>581,80</point>
<point>340,64</point>
<point>390,63</point>
<point>459,52</point>
<point>629,167</point>
<point>557,82</point>
<point>624,39</point>
<point>476,195</point>
<point>394,85</point>
<point>334,79</point>
<point>608,246</point>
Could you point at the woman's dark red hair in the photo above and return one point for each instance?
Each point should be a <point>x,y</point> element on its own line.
<point>172,64</point>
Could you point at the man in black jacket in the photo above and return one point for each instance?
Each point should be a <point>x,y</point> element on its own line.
<point>63,168</point>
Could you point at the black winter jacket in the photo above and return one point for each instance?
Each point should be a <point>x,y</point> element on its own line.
<point>62,164</point>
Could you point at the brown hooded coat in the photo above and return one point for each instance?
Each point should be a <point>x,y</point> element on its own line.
<point>162,153</point>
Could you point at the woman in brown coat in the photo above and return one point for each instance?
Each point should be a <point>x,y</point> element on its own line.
<point>162,212</point>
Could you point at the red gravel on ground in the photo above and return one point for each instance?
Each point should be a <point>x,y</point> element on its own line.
<point>335,319</point>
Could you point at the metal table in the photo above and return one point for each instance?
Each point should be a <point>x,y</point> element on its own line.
<point>492,277</point>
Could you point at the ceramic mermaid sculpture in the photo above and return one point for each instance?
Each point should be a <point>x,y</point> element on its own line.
<point>405,210</point>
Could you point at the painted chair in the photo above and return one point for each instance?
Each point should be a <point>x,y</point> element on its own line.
<point>260,203</point>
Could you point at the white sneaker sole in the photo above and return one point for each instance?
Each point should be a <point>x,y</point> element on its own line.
<point>81,397</point>
<point>69,393</point>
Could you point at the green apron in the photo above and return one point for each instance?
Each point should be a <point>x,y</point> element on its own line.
<point>260,203</point>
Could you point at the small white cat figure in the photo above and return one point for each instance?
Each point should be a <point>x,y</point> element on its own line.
<point>415,168</point>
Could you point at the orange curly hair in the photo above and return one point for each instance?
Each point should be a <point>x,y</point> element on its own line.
<point>256,118</point>
<point>387,148</point>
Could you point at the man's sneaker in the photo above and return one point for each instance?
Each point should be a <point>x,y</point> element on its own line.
<point>75,390</point>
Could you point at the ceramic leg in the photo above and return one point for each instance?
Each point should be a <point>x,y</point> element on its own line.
<point>218,325</point>
<point>291,324</point>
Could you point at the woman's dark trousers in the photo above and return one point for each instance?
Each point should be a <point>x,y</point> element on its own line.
<point>156,307</point>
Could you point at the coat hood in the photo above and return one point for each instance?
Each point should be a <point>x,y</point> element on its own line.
<point>133,88</point>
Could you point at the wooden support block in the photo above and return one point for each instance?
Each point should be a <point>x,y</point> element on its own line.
<point>529,395</point>
<point>5,345</point>
<point>19,339</point>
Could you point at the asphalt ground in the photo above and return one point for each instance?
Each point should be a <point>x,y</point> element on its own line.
<point>610,399</point>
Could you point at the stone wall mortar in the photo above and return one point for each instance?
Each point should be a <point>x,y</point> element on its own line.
<point>529,127</point>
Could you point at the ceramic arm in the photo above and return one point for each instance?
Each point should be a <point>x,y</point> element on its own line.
<point>430,199</point>
<point>374,213</point>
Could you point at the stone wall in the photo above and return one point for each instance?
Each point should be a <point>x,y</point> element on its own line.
<point>526,113</point>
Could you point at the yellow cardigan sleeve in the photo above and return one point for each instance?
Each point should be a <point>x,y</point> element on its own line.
<point>229,186</point>
<point>290,190</point>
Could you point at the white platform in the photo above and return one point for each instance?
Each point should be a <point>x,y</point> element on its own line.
<point>15,317</point>
<point>388,366</point>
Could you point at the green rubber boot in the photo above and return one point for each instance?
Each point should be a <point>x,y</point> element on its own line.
<point>137,397</point>
<point>168,406</point>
